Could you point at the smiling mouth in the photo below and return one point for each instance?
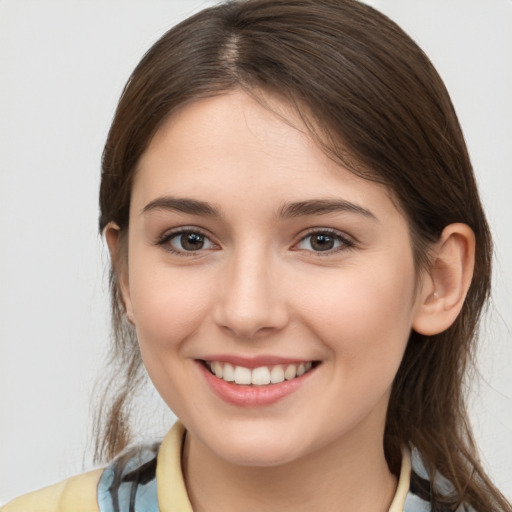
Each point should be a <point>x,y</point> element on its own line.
<point>260,376</point>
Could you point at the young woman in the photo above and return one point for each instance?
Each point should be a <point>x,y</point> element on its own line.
<point>299,261</point>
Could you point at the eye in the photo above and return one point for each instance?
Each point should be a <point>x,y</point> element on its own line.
<point>324,241</point>
<point>184,241</point>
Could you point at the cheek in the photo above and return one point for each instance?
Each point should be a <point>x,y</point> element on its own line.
<point>167,304</point>
<point>168,308</point>
<point>365,315</point>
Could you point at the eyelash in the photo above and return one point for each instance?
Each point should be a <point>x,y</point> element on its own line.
<point>345,242</point>
<point>166,238</point>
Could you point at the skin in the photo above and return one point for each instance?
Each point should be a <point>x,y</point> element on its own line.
<point>259,286</point>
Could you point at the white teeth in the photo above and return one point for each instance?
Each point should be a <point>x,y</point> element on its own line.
<point>242,375</point>
<point>217,369</point>
<point>277,374</point>
<point>261,376</point>
<point>290,372</point>
<point>229,373</point>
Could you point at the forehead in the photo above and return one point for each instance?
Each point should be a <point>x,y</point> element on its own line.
<point>234,147</point>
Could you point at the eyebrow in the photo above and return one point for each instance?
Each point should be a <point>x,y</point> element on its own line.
<point>322,207</point>
<point>288,210</point>
<point>184,205</point>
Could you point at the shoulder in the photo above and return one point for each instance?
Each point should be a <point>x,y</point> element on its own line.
<point>128,483</point>
<point>76,494</point>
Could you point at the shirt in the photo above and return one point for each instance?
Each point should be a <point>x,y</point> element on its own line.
<point>136,485</point>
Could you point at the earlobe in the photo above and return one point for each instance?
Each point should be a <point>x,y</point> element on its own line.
<point>117,246</point>
<point>446,283</point>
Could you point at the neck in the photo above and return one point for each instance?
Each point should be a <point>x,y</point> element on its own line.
<point>351,474</point>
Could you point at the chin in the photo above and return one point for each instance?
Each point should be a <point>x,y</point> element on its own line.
<point>258,456</point>
<point>256,447</point>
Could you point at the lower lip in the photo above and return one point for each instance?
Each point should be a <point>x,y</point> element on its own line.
<point>252,396</point>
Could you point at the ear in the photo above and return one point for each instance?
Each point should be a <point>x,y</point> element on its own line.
<point>444,286</point>
<point>117,246</point>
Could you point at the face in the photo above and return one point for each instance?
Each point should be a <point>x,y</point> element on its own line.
<point>254,257</point>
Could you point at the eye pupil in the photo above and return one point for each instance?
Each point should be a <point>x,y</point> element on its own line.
<point>322,242</point>
<point>191,241</point>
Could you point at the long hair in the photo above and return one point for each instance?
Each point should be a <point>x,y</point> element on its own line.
<point>372,101</point>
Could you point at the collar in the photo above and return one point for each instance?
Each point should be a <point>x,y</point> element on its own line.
<point>172,496</point>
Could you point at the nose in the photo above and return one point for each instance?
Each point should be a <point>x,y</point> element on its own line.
<point>251,300</point>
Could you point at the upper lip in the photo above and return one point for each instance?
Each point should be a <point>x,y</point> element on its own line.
<point>255,361</point>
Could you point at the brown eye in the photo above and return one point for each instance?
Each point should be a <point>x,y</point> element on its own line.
<point>324,241</point>
<point>188,241</point>
<point>191,241</point>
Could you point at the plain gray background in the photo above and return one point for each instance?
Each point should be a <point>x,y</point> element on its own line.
<point>63,64</point>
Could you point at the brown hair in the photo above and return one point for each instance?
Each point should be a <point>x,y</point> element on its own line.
<point>373,101</point>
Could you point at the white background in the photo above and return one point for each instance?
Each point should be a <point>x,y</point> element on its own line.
<point>63,64</point>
